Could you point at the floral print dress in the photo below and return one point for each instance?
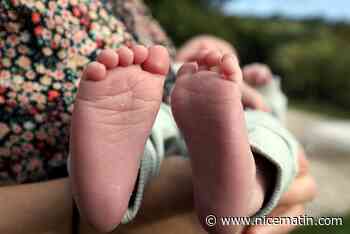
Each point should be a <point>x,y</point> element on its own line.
<point>44,46</point>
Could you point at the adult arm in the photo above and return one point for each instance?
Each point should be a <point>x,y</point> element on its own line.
<point>36,208</point>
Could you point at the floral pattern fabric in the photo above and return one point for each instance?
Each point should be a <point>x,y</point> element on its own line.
<point>138,20</point>
<point>44,46</point>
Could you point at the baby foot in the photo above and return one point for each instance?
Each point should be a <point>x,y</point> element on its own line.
<point>116,105</point>
<point>257,74</point>
<point>206,104</point>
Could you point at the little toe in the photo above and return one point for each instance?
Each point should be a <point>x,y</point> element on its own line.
<point>126,56</point>
<point>94,82</point>
<point>158,60</point>
<point>109,58</point>
<point>94,71</point>
<point>140,53</point>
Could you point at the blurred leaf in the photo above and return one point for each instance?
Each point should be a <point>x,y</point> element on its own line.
<point>312,56</point>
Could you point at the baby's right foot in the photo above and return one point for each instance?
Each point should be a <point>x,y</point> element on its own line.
<point>116,105</point>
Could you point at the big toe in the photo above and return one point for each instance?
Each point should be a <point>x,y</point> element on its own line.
<point>158,60</point>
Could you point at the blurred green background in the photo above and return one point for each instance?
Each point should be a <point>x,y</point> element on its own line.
<point>345,229</point>
<point>311,55</point>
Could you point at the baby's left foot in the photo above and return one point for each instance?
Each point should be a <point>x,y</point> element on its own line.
<point>207,107</point>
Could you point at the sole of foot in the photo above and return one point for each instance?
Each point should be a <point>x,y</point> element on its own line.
<point>117,102</point>
<point>206,103</point>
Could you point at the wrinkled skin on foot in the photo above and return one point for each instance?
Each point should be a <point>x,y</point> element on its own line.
<point>207,107</point>
<point>116,105</point>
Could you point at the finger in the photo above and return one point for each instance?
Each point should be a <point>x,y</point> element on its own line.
<point>257,74</point>
<point>249,75</point>
<point>302,190</point>
<point>252,99</point>
<point>303,163</point>
<point>292,211</point>
<point>266,75</point>
<point>263,75</point>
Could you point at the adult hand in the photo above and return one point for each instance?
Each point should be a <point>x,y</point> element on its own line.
<point>302,190</point>
<point>257,74</point>
<point>190,50</point>
<point>196,48</point>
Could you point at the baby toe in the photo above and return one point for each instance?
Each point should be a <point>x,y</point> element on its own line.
<point>95,71</point>
<point>126,56</point>
<point>109,58</point>
<point>140,53</point>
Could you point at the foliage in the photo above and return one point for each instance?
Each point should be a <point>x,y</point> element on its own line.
<point>312,56</point>
<point>344,229</point>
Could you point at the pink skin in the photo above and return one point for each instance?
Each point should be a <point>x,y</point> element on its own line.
<point>209,60</point>
<point>257,74</point>
<point>208,109</point>
<point>191,49</point>
<point>116,105</point>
